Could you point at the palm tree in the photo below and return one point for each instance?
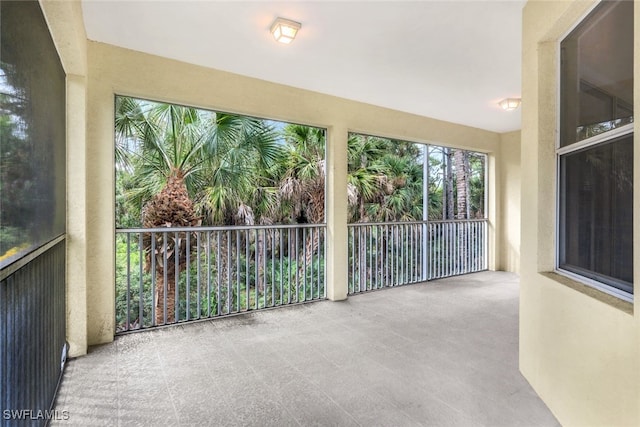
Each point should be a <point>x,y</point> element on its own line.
<point>366,176</point>
<point>190,165</point>
<point>167,142</point>
<point>239,153</point>
<point>302,186</point>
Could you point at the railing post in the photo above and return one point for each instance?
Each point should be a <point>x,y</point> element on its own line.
<point>425,213</point>
<point>336,210</point>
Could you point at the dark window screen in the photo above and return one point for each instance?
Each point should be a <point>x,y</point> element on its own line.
<point>32,132</point>
<point>596,190</point>
<point>597,73</point>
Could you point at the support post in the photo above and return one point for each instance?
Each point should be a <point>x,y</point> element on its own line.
<point>337,210</point>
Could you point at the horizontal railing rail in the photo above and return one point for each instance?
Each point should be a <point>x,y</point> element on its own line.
<point>172,275</point>
<point>398,253</point>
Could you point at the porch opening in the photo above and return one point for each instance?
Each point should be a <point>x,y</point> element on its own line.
<point>418,212</point>
<point>216,214</point>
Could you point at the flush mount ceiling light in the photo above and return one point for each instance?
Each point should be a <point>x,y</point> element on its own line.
<point>285,30</point>
<point>510,104</point>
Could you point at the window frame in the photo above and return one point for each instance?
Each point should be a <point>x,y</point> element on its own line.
<point>560,151</point>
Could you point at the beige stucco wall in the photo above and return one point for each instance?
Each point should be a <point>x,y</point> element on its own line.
<point>509,196</point>
<point>578,349</point>
<point>64,20</point>
<point>108,70</point>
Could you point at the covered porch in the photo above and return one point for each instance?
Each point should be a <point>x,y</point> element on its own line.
<point>442,353</point>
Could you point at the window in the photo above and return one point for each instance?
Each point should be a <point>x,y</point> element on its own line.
<point>595,153</point>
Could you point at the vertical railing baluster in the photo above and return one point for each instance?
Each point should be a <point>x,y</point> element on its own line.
<point>219,265</point>
<point>297,265</point>
<point>385,256</point>
<point>141,290</point>
<point>321,261</point>
<point>358,251</point>
<point>229,264</point>
<point>407,253</point>
<point>152,255</point>
<point>476,248</point>
<point>445,250</point>
<point>401,259</point>
<point>281,261</point>
<point>264,267</point>
<point>128,325</point>
<point>391,255</point>
<point>414,250</point>
<point>256,261</point>
<point>473,245</point>
<point>470,251</point>
<point>441,245</point>
<point>208,255</point>
<point>165,264</point>
<point>432,235</point>
<point>311,230</point>
<point>176,254</point>
<point>368,254</point>
<point>352,235</point>
<point>430,251</point>
<point>377,267</point>
<point>452,248</point>
<point>247,269</point>
<point>480,244</point>
<point>237,253</point>
<point>188,278</point>
<point>410,253</point>
<point>449,250</point>
<point>409,232</point>
<point>304,263</point>
<point>289,276</point>
<point>199,279</point>
<point>273,267</point>
<point>324,257</point>
<point>400,254</point>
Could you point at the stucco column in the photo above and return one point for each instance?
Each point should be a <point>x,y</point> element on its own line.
<point>337,209</point>
<point>493,195</point>
<point>100,200</point>
<point>76,216</point>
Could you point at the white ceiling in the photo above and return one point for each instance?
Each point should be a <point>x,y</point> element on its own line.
<point>450,60</point>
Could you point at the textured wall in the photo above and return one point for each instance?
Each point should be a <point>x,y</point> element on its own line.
<point>509,186</point>
<point>578,347</point>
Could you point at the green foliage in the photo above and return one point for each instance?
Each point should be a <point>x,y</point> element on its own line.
<point>224,158</point>
<point>244,171</point>
<point>213,289</point>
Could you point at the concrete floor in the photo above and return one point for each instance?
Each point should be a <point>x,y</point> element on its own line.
<point>443,353</point>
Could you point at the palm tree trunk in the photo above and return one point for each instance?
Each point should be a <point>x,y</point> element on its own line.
<point>449,184</point>
<point>462,184</point>
<point>460,159</point>
<point>160,295</point>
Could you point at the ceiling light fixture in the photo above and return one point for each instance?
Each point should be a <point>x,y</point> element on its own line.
<point>510,104</point>
<point>285,30</point>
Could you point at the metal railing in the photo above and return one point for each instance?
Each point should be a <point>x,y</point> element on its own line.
<point>398,253</point>
<point>32,334</point>
<point>172,275</point>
